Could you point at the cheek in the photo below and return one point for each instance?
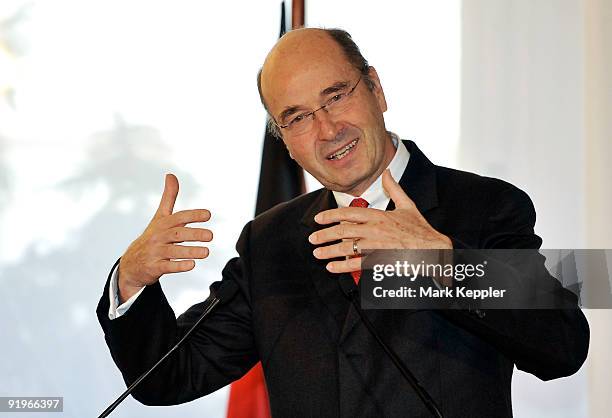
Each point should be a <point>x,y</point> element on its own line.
<point>301,152</point>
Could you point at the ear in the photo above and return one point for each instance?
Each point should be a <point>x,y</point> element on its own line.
<point>378,90</point>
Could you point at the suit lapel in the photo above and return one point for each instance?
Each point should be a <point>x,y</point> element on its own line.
<point>419,180</point>
<point>325,283</point>
<point>419,183</point>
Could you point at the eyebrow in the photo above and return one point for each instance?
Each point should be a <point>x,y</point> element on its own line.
<point>290,110</point>
<point>340,85</point>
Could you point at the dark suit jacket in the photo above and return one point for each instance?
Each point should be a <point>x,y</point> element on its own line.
<point>318,359</point>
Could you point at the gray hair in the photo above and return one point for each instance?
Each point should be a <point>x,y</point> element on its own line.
<point>354,57</point>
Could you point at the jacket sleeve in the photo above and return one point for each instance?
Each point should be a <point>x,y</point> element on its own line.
<point>220,350</point>
<point>548,343</point>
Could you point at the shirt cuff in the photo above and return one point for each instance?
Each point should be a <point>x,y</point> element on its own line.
<point>115,310</point>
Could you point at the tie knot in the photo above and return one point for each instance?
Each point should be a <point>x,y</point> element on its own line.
<point>359,203</point>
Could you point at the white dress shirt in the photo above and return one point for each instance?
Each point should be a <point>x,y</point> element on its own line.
<point>375,196</point>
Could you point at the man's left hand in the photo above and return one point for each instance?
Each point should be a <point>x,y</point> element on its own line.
<point>402,228</point>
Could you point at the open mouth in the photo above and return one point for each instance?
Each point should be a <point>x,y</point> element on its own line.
<point>344,151</point>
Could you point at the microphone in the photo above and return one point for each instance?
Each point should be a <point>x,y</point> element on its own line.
<point>226,292</point>
<point>351,291</point>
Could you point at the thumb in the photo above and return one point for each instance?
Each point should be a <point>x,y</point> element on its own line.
<point>395,191</point>
<point>166,204</point>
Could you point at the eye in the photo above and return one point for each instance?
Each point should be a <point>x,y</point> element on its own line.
<point>336,98</point>
<point>298,119</point>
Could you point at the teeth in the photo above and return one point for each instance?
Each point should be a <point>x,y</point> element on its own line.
<point>341,153</point>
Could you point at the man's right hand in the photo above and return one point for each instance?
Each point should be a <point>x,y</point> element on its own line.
<point>155,252</point>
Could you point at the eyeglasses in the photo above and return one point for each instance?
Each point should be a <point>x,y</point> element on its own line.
<point>303,122</point>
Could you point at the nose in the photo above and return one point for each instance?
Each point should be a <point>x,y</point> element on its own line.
<point>326,127</point>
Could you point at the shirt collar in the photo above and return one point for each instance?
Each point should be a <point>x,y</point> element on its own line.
<point>375,194</point>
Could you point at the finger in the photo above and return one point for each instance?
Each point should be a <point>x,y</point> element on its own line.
<point>174,252</point>
<point>185,234</point>
<point>337,232</point>
<point>175,266</point>
<point>345,249</point>
<point>171,189</point>
<point>341,249</point>
<point>356,215</point>
<point>395,191</point>
<point>344,266</point>
<point>185,217</point>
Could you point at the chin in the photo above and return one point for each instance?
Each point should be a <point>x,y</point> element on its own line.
<point>345,187</point>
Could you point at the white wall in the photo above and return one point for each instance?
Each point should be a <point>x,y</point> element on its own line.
<point>535,110</point>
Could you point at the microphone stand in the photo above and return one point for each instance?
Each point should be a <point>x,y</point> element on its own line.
<point>351,291</point>
<point>226,291</point>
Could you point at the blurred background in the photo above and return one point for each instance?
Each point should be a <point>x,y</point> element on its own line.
<point>98,99</point>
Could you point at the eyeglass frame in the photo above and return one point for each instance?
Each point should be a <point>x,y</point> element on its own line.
<point>312,112</point>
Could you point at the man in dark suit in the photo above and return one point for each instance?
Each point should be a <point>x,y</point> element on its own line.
<point>319,360</point>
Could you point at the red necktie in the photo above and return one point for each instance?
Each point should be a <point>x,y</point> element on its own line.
<point>358,203</point>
